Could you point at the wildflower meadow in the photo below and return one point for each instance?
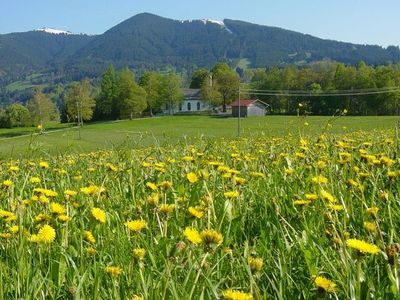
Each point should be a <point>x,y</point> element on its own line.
<point>295,216</point>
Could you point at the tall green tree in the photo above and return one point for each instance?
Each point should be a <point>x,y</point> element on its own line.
<point>41,108</point>
<point>198,78</point>
<point>151,83</point>
<point>79,102</point>
<point>132,97</point>
<point>106,101</point>
<point>171,91</point>
<point>227,82</point>
<point>210,92</point>
<point>15,115</point>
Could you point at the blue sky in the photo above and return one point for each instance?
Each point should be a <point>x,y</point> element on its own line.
<point>358,21</point>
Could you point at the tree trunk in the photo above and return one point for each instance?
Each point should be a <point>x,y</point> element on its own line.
<point>224,106</point>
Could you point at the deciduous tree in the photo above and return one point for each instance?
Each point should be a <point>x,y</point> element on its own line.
<point>41,108</point>
<point>79,102</point>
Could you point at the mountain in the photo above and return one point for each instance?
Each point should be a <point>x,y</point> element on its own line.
<point>35,51</point>
<point>148,41</point>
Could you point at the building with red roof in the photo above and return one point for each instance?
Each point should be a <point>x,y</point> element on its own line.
<point>249,107</point>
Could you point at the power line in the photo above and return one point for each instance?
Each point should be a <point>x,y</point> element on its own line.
<point>327,92</point>
<point>322,94</point>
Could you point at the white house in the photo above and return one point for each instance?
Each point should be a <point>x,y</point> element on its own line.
<point>191,103</point>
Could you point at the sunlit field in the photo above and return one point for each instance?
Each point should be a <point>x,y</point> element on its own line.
<point>139,133</point>
<point>310,213</point>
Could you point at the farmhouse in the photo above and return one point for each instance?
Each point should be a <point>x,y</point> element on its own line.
<point>249,108</point>
<point>192,102</point>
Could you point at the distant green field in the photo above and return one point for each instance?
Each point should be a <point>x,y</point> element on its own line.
<point>155,131</point>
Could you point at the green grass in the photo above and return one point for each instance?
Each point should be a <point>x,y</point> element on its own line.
<point>23,131</point>
<point>167,130</point>
<point>23,84</point>
<point>209,209</point>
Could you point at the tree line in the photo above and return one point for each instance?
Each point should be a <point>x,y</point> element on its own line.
<point>118,96</point>
<point>326,76</point>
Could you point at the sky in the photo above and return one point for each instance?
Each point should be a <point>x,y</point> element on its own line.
<point>358,21</point>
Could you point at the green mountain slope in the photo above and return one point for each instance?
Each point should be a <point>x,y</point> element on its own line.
<point>147,41</point>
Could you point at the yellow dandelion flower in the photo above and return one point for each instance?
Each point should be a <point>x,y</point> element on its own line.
<point>257,174</point>
<point>373,210</point>
<point>165,184</point>
<point>153,199</point>
<point>139,253</point>
<point>197,213</point>
<point>327,196</point>
<point>384,195</point>
<point>301,202</point>
<point>111,167</point>
<point>5,235</point>
<point>63,218</point>
<point>7,183</point>
<point>289,171</point>
<point>89,236</point>
<point>14,229</point>
<point>192,235</point>
<point>69,193</point>
<point>188,158</point>
<point>319,179</point>
<point>362,246</point>
<point>239,180</point>
<point>137,297</point>
<point>34,180</point>
<point>236,295</point>
<point>311,196</point>
<point>211,237</point>
<point>13,169</point>
<point>325,284</point>
<point>44,165</point>
<point>113,271</point>
<point>370,226</point>
<point>57,208</point>
<point>300,155</point>
<point>99,214</point>
<point>47,234</point>
<point>231,194</point>
<point>42,217</point>
<point>43,199</point>
<point>136,225</point>
<point>337,207</point>
<point>167,208</point>
<point>192,177</point>
<point>91,251</point>
<point>151,186</point>
<point>6,214</point>
<point>255,263</point>
<point>92,190</point>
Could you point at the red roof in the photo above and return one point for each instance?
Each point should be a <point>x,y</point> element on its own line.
<point>243,102</point>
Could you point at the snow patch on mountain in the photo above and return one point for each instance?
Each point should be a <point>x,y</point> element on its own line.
<point>53,31</point>
<point>205,21</point>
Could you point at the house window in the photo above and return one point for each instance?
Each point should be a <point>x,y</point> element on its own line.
<point>189,106</point>
<point>180,106</point>
<point>198,105</point>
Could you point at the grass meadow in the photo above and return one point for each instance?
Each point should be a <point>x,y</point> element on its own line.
<point>180,208</point>
<point>139,133</point>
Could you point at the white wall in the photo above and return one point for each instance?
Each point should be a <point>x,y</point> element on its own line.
<point>193,106</point>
